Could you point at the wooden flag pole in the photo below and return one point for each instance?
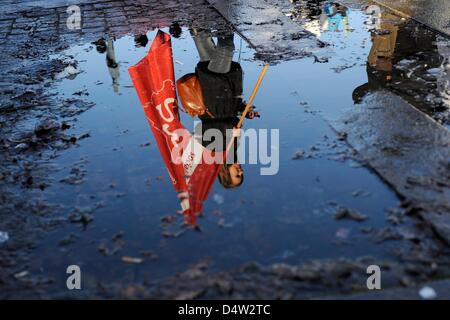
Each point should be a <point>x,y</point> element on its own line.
<point>249,104</point>
<point>252,97</point>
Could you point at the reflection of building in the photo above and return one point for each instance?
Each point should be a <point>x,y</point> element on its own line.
<point>403,58</point>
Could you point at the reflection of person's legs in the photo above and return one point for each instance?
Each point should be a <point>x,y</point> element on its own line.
<point>223,55</point>
<point>112,64</point>
<point>204,43</point>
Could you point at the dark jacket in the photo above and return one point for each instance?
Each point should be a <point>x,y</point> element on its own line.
<point>222,93</point>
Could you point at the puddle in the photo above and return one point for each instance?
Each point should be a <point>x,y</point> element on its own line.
<point>287,217</point>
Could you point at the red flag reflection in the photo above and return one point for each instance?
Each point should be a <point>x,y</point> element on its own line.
<point>154,80</point>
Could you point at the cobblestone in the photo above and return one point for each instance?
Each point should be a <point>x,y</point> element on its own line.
<point>21,21</point>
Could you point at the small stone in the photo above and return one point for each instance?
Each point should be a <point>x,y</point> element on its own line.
<point>46,126</point>
<point>21,274</point>
<point>343,233</point>
<point>300,154</point>
<point>344,213</point>
<point>218,198</point>
<point>427,293</point>
<point>68,240</point>
<point>132,260</point>
<point>117,236</point>
<point>168,219</point>
<point>224,286</point>
<point>148,254</point>
<point>342,136</point>
<point>103,249</point>
<point>21,146</point>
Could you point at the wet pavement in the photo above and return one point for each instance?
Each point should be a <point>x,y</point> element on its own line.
<point>119,168</point>
<point>434,14</point>
<point>335,206</point>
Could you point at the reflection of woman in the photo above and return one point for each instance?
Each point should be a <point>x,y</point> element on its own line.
<point>221,82</point>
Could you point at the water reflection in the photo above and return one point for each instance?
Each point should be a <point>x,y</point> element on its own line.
<point>404,59</point>
<point>322,16</point>
<point>214,93</point>
<point>247,223</point>
<point>335,17</point>
<point>221,81</point>
<point>408,59</point>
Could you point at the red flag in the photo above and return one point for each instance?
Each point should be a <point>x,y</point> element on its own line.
<point>154,80</point>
